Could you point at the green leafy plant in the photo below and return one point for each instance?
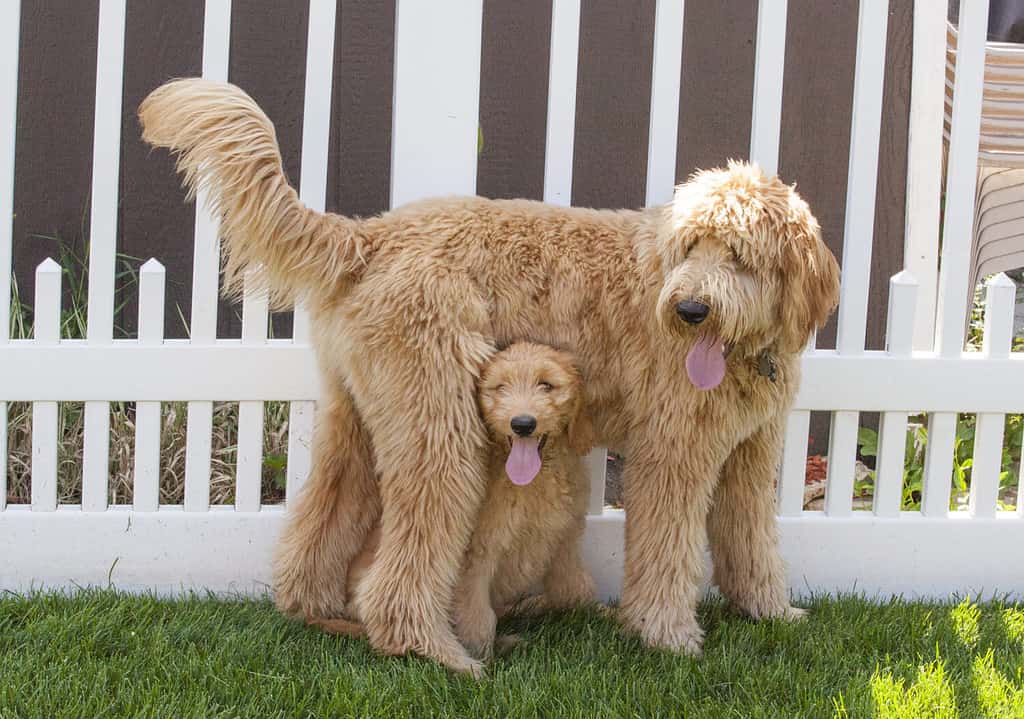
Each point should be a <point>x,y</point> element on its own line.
<point>963,458</point>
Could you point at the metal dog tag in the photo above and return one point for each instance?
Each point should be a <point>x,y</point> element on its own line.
<point>766,367</point>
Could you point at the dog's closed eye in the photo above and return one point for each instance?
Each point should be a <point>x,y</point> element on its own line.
<point>545,386</point>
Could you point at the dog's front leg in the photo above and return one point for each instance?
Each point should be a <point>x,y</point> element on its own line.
<point>668,488</point>
<point>748,567</point>
<point>475,620</point>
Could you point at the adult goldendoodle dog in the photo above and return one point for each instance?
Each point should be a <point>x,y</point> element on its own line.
<point>531,522</point>
<point>687,319</point>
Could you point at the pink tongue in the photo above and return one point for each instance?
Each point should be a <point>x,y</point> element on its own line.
<point>705,363</point>
<point>523,461</point>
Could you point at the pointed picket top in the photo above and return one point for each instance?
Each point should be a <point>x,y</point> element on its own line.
<point>152,266</point>
<point>48,266</point>
<point>899,324</point>
<point>1001,280</point>
<point>903,278</point>
<point>999,299</point>
<point>152,278</point>
<point>47,302</point>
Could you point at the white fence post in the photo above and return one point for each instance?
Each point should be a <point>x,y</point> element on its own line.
<point>988,433</point>
<point>437,97</point>
<point>249,466</point>
<point>205,276</point>
<point>892,426</point>
<point>869,76</point>
<point>316,128</point>
<point>146,489</point>
<point>561,121</point>
<point>106,159</point>
<point>10,17</point>
<point>961,178</point>
<point>924,163</point>
<point>769,69</point>
<point>858,231</point>
<point>664,120</point>
<point>958,224</point>
<point>46,321</point>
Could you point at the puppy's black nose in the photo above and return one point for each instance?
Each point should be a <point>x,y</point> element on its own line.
<point>523,425</point>
<point>692,311</point>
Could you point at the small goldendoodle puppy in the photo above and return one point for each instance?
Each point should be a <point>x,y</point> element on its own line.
<point>534,511</point>
<point>687,320</point>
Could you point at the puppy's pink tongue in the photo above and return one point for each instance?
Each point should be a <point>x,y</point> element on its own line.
<point>705,363</point>
<point>523,461</point>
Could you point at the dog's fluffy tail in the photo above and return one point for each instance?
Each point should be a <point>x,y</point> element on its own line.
<point>227,147</point>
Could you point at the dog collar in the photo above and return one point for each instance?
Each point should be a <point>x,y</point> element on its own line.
<point>766,366</point>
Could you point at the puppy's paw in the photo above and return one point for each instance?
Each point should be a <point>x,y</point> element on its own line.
<point>506,643</point>
<point>467,666</point>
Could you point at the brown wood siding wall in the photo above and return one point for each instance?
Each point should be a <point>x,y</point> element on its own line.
<point>164,39</point>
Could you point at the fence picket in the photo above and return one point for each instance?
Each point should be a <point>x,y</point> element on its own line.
<point>790,494</point>
<point>205,275</point>
<point>437,94</point>
<point>316,127</point>
<point>249,469</point>
<point>146,491</point>
<point>865,127</point>
<point>769,68</point>
<point>44,414</point>
<point>938,464</point>
<point>988,434</point>
<point>842,455</point>
<point>961,179</point>
<point>665,81</point>
<point>198,446</point>
<point>924,163</point>
<point>892,427</point>
<point>10,16</point>
<point>103,238</point>
<point>561,120</point>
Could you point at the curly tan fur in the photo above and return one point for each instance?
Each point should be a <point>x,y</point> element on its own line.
<point>408,306</point>
<point>524,535</point>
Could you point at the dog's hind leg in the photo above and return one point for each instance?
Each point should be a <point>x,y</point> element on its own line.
<point>328,523</point>
<point>420,405</point>
<point>748,567</point>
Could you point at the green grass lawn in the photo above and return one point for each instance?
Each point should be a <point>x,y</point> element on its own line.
<point>104,654</point>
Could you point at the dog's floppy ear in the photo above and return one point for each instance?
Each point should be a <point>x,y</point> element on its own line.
<point>810,278</point>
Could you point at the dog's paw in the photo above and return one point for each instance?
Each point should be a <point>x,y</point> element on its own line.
<point>793,614</point>
<point>687,640</point>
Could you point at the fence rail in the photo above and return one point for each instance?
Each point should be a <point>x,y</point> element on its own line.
<point>168,548</point>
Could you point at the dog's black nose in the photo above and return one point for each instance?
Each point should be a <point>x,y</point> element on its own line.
<point>692,311</point>
<point>523,425</point>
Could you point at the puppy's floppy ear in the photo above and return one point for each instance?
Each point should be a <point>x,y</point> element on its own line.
<point>810,276</point>
<point>581,429</point>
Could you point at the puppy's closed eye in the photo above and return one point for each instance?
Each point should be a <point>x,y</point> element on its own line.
<point>545,386</point>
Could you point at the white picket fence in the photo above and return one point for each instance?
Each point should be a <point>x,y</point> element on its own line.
<point>169,548</point>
